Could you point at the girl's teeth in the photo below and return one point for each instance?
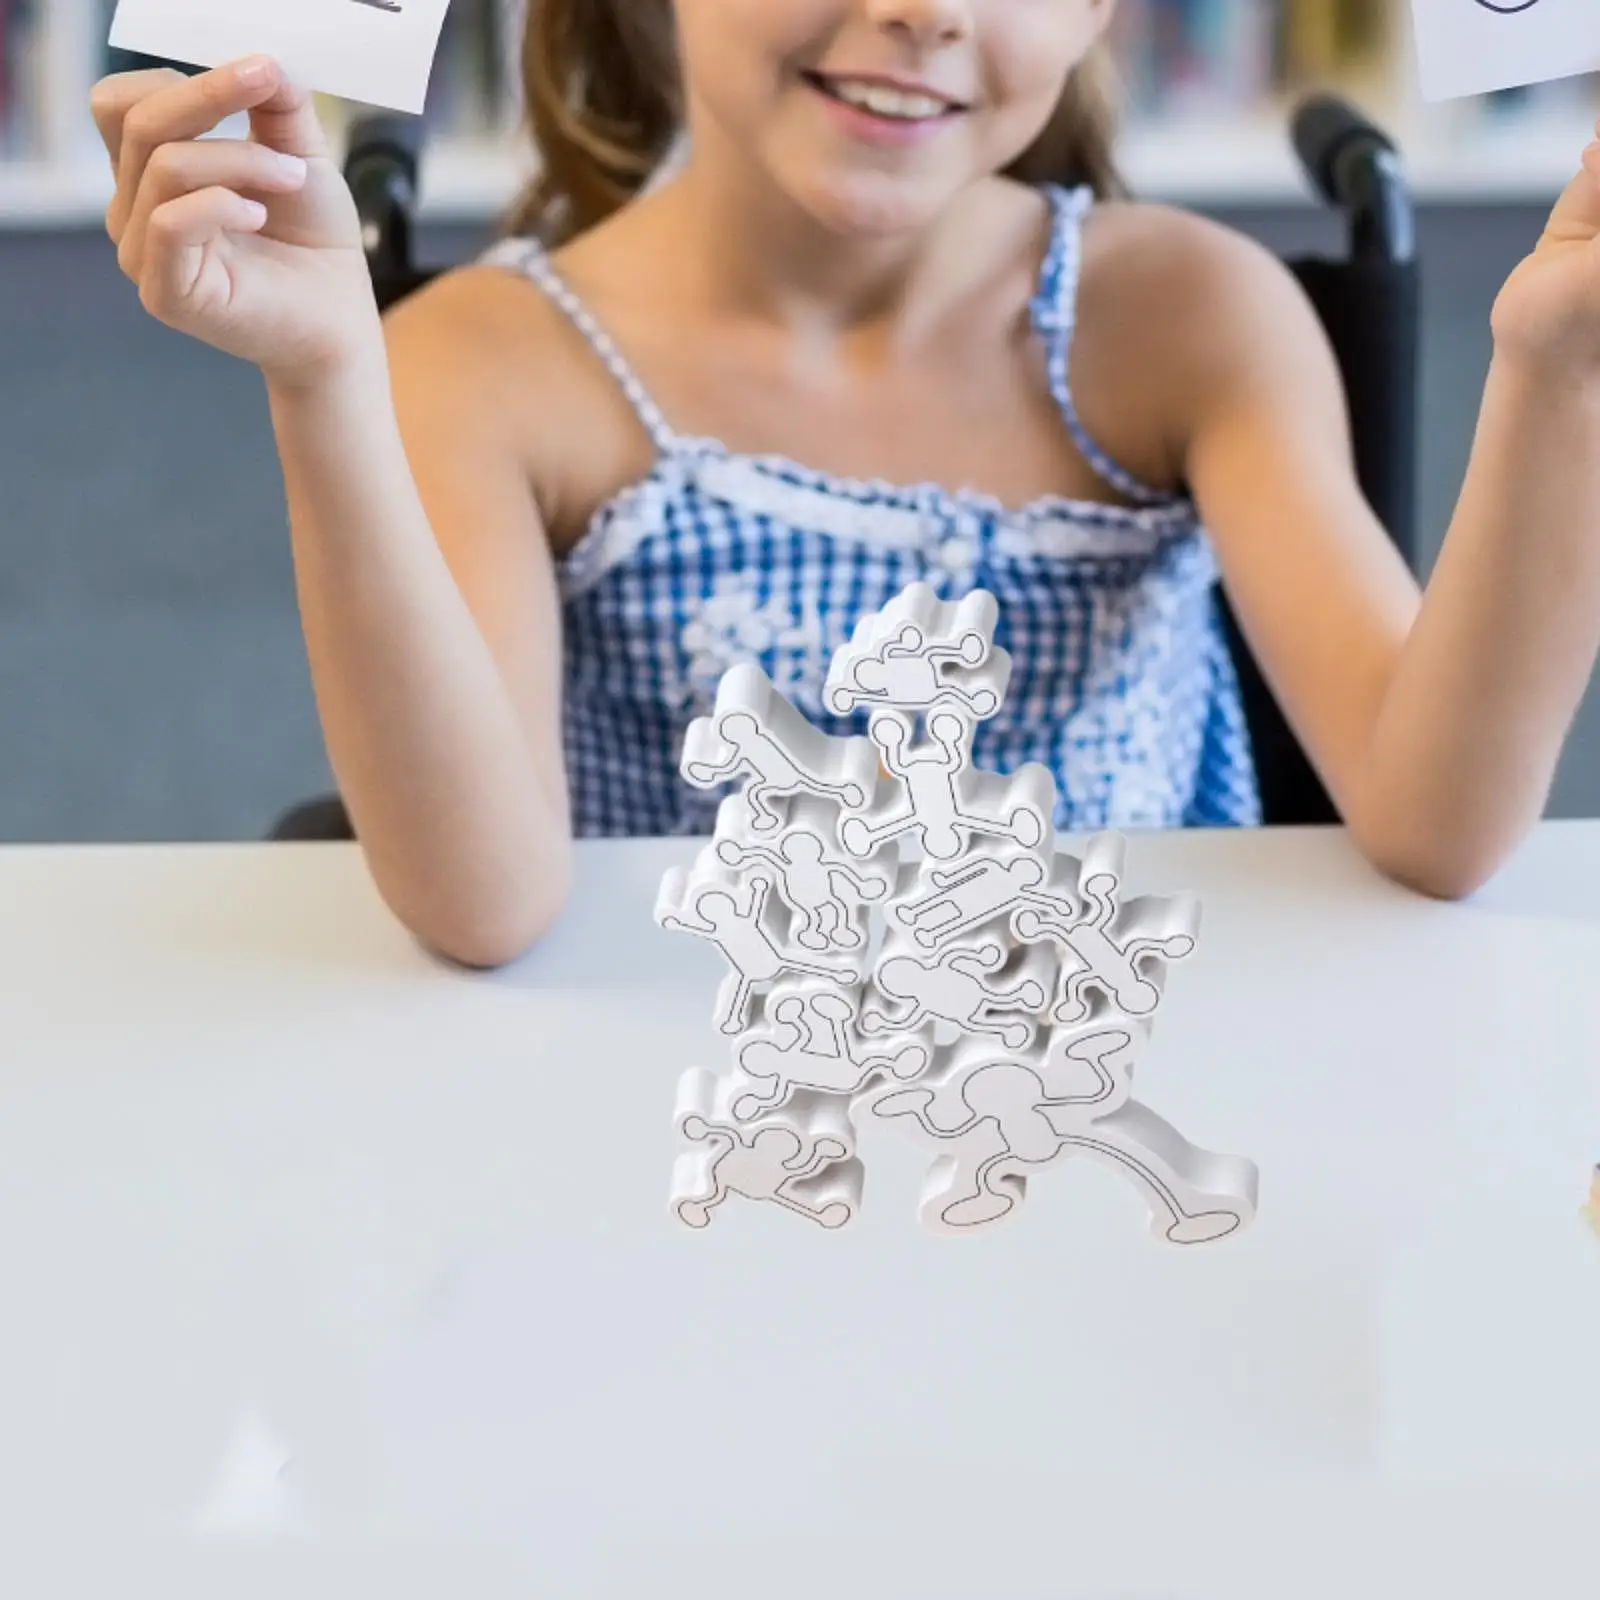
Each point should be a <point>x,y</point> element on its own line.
<point>886,102</point>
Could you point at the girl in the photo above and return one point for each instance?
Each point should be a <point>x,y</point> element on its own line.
<point>888,318</point>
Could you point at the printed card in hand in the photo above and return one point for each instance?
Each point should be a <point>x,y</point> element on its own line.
<point>379,52</point>
<point>1467,47</point>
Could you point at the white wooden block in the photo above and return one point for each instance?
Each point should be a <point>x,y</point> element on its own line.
<point>986,987</point>
<point>920,652</point>
<point>829,895</point>
<point>753,731</point>
<point>908,945</point>
<point>947,901</point>
<point>936,798</point>
<point>1088,1065</point>
<point>1119,948</point>
<point>801,1158</point>
<point>811,1038</point>
<point>994,1118</point>
<point>747,922</point>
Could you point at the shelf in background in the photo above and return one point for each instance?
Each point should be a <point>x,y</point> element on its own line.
<point>460,183</point>
<point>1237,162</point>
<point>1493,161</point>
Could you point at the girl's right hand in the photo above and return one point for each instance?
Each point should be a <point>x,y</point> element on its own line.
<point>251,245</point>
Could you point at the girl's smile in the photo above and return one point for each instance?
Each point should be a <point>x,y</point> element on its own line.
<point>884,110</point>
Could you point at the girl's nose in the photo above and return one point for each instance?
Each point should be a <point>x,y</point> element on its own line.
<point>923,22</point>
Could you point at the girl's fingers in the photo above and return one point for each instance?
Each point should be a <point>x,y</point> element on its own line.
<point>179,169</point>
<point>182,111</point>
<point>287,120</point>
<point>113,98</point>
<point>178,236</point>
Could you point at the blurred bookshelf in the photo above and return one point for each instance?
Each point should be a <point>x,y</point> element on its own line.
<point>1209,86</point>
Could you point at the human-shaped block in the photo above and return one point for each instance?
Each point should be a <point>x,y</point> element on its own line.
<point>940,903</point>
<point>812,1040</point>
<point>801,1157</point>
<point>1121,948</point>
<point>754,732</point>
<point>745,921</point>
<point>920,652</point>
<point>828,892</point>
<point>982,988</point>
<point>939,800</point>
<point>994,1118</point>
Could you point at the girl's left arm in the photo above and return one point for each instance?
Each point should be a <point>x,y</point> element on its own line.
<point>1490,679</point>
<point>1436,721</point>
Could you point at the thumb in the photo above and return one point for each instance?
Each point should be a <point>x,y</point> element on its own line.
<point>1575,218</point>
<point>287,120</point>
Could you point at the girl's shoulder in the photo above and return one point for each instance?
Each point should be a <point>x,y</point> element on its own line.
<point>1186,261</point>
<point>490,315</point>
<point>486,333</point>
<point>1200,298</point>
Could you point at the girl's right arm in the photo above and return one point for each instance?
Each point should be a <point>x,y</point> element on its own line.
<point>426,591</point>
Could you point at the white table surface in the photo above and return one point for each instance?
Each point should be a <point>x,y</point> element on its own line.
<point>269,1173</point>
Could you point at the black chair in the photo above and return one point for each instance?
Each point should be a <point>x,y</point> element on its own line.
<point>1367,301</point>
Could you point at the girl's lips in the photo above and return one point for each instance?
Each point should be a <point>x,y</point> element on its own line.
<point>869,127</point>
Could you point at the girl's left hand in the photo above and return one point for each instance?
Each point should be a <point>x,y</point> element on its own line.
<point>1548,312</point>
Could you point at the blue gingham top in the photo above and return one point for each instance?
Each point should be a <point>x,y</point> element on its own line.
<point>1121,679</point>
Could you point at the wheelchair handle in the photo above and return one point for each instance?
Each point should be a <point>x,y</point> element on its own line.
<point>381,170</point>
<point>1353,165</point>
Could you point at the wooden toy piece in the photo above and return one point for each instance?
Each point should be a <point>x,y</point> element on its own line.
<point>978,987</point>
<point>811,1040</point>
<point>1120,949</point>
<point>920,652</point>
<point>827,892</point>
<point>1088,1065</point>
<point>995,1120</point>
<point>754,731</point>
<point>801,1157</point>
<point>942,800</point>
<point>935,904</point>
<point>744,921</point>
<point>1196,1196</point>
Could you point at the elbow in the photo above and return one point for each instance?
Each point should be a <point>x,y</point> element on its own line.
<point>1434,879</point>
<point>483,947</point>
<point>1437,847</point>
<point>1431,884</point>
<point>488,936</point>
<point>1426,850</point>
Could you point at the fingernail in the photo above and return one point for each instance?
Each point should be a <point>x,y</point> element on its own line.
<point>291,166</point>
<point>253,71</point>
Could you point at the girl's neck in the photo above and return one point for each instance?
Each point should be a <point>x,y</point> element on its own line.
<point>756,253</point>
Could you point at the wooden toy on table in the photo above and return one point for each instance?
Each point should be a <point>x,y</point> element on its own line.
<point>910,949</point>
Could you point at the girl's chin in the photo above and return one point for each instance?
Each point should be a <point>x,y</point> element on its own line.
<point>871,205</point>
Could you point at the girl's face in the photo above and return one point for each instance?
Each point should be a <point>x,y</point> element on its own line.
<point>873,114</point>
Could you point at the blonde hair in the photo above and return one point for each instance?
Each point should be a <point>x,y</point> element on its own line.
<point>605,106</point>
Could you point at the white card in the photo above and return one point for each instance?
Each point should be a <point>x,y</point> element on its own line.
<point>1469,47</point>
<point>376,51</point>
